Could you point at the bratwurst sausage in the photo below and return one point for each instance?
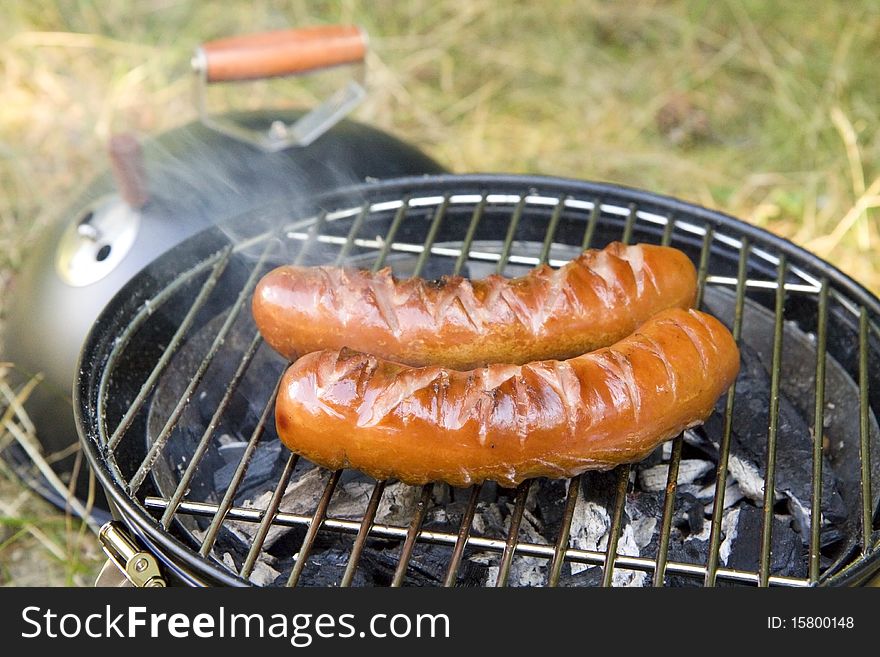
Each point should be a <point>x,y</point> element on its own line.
<point>507,423</point>
<point>592,301</point>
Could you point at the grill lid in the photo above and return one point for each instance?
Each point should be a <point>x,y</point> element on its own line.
<point>176,391</point>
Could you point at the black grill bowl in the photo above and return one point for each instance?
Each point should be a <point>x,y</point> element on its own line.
<point>174,395</point>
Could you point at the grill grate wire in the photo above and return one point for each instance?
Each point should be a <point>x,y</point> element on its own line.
<point>314,525</point>
<point>268,516</point>
<point>677,443</point>
<point>523,548</point>
<point>560,552</point>
<point>724,458</point>
<point>202,447</point>
<point>412,535</point>
<point>159,442</point>
<point>818,422</point>
<point>176,341</point>
<point>519,507</point>
<point>770,476</point>
<point>238,476</point>
<point>864,438</point>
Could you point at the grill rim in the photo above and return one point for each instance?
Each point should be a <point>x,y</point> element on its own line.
<point>201,570</point>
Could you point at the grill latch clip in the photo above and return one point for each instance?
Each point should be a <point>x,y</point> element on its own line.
<point>138,565</point>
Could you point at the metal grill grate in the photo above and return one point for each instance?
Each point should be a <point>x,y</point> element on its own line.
<point>444,230</point>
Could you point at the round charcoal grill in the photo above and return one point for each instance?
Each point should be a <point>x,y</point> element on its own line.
<point>176,391</point>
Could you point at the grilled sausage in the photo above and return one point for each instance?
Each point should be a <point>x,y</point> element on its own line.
<point>507,423</point>
<point>593,301</point>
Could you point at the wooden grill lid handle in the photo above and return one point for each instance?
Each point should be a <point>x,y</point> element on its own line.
<point>281,52</point>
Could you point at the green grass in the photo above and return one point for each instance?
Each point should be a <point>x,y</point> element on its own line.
<point>581,91</point>
<point>39,545</point>
<point>728,104</point>
<point>768,111</point>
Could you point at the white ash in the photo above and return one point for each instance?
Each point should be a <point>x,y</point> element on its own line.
<point>532,498</point>
<point>751,483</point>
<point>532,519</point>
<point>689,489</point>
<point>729,527</point>
<point>231,449</point>
<point>732,495</point>
<point>301,496</point>
<point>263,574</point>
<point>225,440</point>
<point>636,536</point>
<point>702,535</point>
<point>243,531</point>
<point>692,438</point>
<point>666,451</point>
<point>643,530</point>
<point>729,523</point>
<point>589,525</point>
<point>398,504</point>
<point>486,517</point>
<point>524,570</point>
<point>655,477</point>
<point>627,545</point>
<point>436,514</point>
<point>799,511</point>
<point>644,526</point>
<point>590,529</point>
<point>349,501</point>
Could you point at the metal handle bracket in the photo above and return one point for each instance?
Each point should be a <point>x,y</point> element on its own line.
<point>139,566</point>
<point>320,48</point>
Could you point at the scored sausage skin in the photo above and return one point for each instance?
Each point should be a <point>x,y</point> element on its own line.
<point>591,302</point>
<point>507,423</point>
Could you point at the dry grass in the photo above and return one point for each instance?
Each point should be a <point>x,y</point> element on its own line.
<point>768,111</point>
<point>38,545</point>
